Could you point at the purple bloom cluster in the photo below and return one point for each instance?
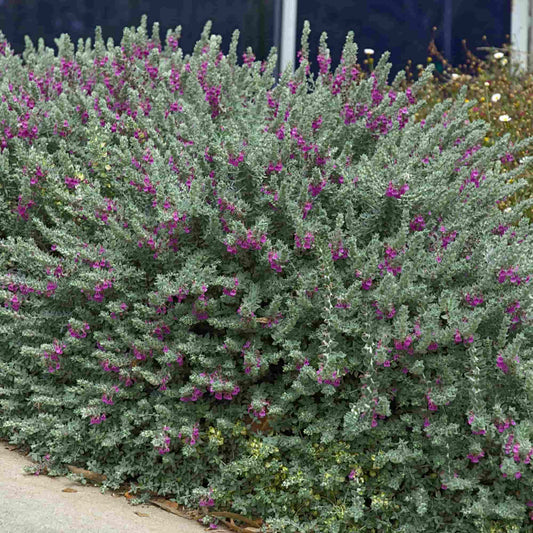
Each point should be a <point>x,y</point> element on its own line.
<point>470,421</point>
<point>207,501</point>
<point>97,419</point>
<point>473,301</point>
<point>273,258</point>
<point>166,439</point>
<point>262,412</point>
<point>417,224</point>
<point>233,291</point>
<point>252,241</point>
<point>193,438</point>
<point>380,315</point>
<point>394,192</point>
<point>334,379</point>
<point>216,382</point>
<point>338,251</point>
<point>511,274</point>
<point>475,457</point>
<point>474,178</point>
<point>387,264</point>
<point>309,239</point>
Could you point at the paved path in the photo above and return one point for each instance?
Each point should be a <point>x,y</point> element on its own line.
<point>36,504</point>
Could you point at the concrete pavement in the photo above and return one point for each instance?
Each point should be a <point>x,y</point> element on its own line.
<point>38,504</point>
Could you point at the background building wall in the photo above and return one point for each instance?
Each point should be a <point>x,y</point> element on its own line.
<point>401,26</point>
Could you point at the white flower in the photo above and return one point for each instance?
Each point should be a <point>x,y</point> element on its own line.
<point>505,118</point>
<point>495,97</point>
<point>504,61</point>
<point>487,84</point>
<point>498,55</point>
<point>369,51</point>
<point>455,76</point>
<point>507,210</point>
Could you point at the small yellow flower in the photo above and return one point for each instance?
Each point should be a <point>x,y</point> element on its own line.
<point>504,61</point>
<point>467,100</point>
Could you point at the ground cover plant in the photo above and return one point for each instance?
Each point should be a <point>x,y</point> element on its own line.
<point>290,301</point>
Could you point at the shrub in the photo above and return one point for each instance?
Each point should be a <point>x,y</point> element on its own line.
<point>502,94</point>
<point>290,301</point>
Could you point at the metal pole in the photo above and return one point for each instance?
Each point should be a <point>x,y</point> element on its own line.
<point>277,34</point>
<point>447,23</point>
<point>288,33</point>
<point>520,32</point>
<point>530,48</point>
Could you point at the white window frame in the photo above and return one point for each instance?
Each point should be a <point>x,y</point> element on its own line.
<point>522,34</point>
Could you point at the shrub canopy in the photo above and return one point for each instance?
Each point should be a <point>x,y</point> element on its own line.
<point>290,301</point>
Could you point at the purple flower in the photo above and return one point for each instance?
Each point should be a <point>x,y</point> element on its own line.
<point>248,59</point>
<point>338,251</point>
<point>273,260</point>
<point>396,193</point>
<point>366,284</point>
<point>417,224</point>
<point>307,208</point>
<point>274,168</point>
<point>97,419</point>
<point>342,304</point>
<point>502,365</point>
<point>315,189</point>
<point>236,160</point>
<point>107,400</point>
<point>475,457</point>
<point>317,122</point>
<point>474,300</point>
